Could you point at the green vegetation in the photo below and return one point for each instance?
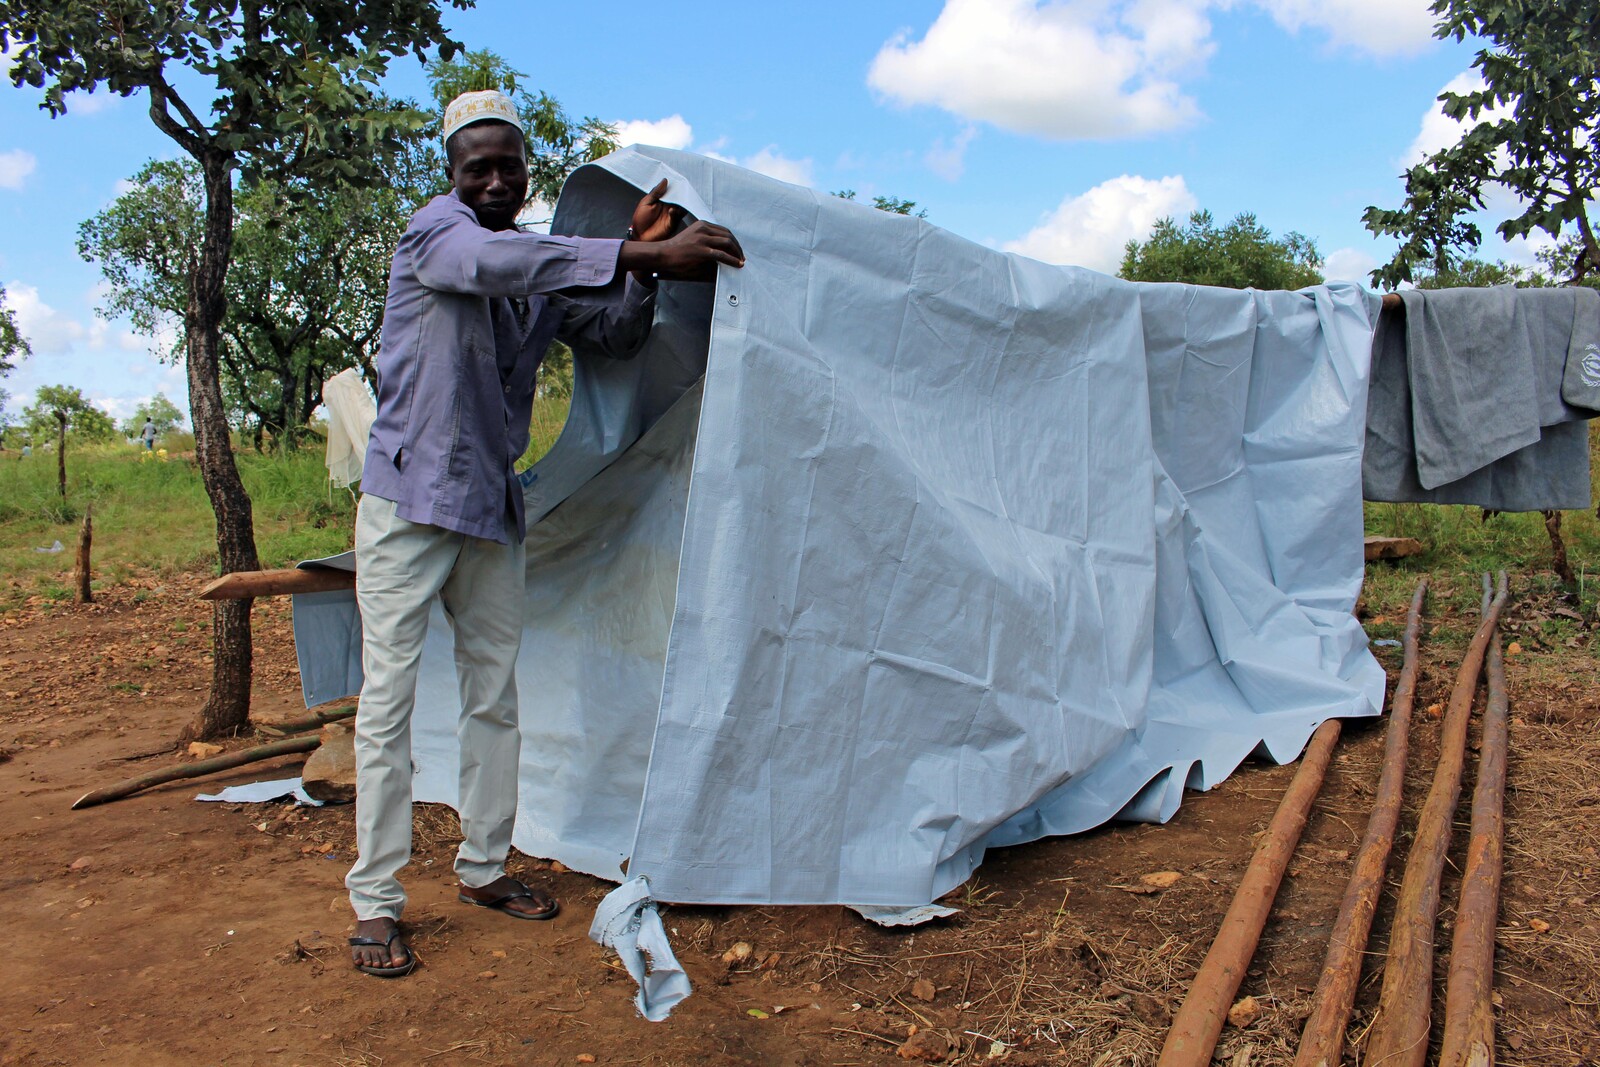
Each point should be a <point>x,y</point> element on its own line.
<point>13,346</point>
<point>1462,542</point>
<point>153,516</point>
<point>1530,127</point>
<point>1243,254</point>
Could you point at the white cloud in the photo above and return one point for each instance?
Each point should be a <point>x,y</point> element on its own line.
<point>670,132</point>
<point>115,368</point>
<point>49,332</point>
<point>92,103</point>
<point>949,159</point>
<point>1438,130</point>
<point>1349,265</point>
<point>773,165</point>
<point>1381,28</point>
<point>1091,229</point>
<point>1058,68</point>
<point>15,166</point>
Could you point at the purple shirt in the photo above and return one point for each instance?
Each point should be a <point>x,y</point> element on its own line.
<point>457,360</point>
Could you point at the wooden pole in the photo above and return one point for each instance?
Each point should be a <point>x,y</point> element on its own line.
<point>1399,1033</point>
<point>1322,1041</point>
<point>61,452</point>
<point>1468,1007</point>
<point>243,585</point>
<point>195,770</point>
<point>85,540</point>
<point>1195,1031</point>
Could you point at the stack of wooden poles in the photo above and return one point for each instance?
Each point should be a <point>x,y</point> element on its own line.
<point>1398,1036</point>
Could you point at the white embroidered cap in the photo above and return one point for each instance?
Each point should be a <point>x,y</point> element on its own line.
<point>478,105</point>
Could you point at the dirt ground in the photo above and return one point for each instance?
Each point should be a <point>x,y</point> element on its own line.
<point>157,930</point>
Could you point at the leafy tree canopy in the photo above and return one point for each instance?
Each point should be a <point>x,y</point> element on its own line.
<point>1243,254</point>
<point>1532,128</point>
<point>894,205</point>
<point>557,144</point>
<point>160,411</point>
<point>294,80</point>
<point>305,284</point>
<point>1553,269</point>
<point>83,418</point>
<point>13,346</point>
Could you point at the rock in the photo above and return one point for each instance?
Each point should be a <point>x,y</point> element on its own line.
<point>929,1046</point>
<point>202,750</point>
<point>1161,879</point>
<point>923,990</point>
<point>330,773</point>
<point>1244,1012</point>
<point>738,953</point>
<point>585,1057</point>
<point>79,864</point>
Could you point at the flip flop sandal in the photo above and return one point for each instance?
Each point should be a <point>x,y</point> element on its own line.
<point>398,970</point>
<point>522,892</point>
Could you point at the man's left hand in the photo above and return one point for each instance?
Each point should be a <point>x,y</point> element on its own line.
<point>654,220</point>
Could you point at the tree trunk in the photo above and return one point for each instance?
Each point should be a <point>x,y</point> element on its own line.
<point>61,452</point>
<point>85,540</point>
<point>1558,549</point>
<point>227,708</point>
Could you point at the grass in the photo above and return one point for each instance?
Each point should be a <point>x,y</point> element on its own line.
<point>153,516</point>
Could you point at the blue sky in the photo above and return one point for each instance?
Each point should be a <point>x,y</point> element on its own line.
<point>1055,128</point>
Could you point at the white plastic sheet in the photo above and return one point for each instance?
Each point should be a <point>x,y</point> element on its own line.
<point>949,549</point>
<point>351,410</point>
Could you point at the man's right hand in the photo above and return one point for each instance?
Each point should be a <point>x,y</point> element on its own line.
<point>691,255</point>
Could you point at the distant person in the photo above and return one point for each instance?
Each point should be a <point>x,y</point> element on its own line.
<point>27,448</point>
<point>473,303</point>
<point>148,434</point>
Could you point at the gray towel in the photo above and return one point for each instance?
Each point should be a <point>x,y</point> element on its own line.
<point>1580,385</point>
<point>1466,401</point>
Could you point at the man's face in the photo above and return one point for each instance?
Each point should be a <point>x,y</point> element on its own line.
<point>490,172</point>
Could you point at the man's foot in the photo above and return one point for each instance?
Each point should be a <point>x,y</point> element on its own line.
<point>377,949</point>
<point>512,897</point>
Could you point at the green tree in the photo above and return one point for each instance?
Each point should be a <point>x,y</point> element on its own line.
<point>160,411</point>
<point>1240,255</point>
<point>84,420</point>
<point>306,279</point>
<point>894,205</point>
<point>1533,128</point>
<point>290,96</point>
<point>7,419</point>
<point>557,144</point>
<point>13,346</point>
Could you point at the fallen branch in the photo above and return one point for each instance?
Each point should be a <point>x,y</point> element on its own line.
<point>1194,1032</point>
<point>1468,1011</point>
<point>316,721</point>
<point>196,770</point>
<point>243,585</point>
<point>1322,1041</point>
<point>1399,1033</point>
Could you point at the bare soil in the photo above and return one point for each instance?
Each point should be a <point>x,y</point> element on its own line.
<point>156,930</point>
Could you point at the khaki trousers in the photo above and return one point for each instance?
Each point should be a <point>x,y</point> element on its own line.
<point>400,566</point>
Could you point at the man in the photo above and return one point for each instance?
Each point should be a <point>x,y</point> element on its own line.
<point>473,303</point>
<point>148,434</point>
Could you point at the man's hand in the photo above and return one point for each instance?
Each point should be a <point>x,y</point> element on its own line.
<point>691,255</point>
<point>653,220</point>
